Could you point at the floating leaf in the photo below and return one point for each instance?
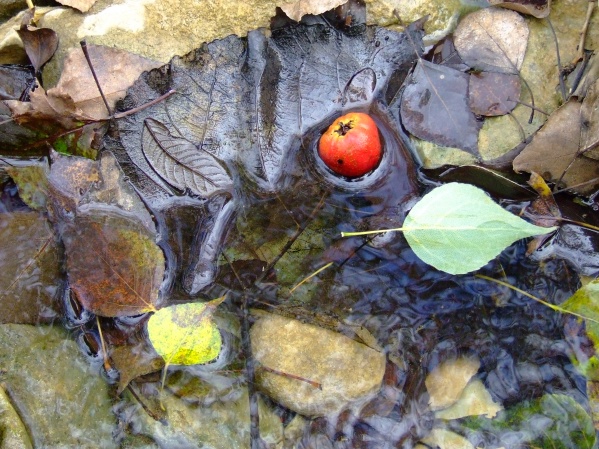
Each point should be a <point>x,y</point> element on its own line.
<point>585,301</point>
<point>181,164</point>
<point>457,228</point>
<point>185,334</point>
<point>434,107</point>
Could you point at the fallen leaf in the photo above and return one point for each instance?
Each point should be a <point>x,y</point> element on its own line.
<point>554,149</point>
<point>116,70</point>
<point>444,53</point>
<point>536,8</point>
<point>589,113</point>
<point>185,334</point>
<point>250,101</point>
<point>114,265</point>
<point>81,5</point>
<point>299,8</point>
<point>446,382</point>
<point>492,39</point>
<point>434,107</point>
<point>32,182</point>
<point>132,361</point>
<point>491,93</point>
<point>182,164</point>
<point>40,45</point>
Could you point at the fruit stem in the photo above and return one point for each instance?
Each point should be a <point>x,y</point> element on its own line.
<point>344,128</point>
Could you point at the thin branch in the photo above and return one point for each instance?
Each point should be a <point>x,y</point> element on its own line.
<point>91,68</point>
<point>562,84</point>
<point>583,33</point>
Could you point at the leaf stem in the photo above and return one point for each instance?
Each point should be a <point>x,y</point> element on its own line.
<point>528,295</point>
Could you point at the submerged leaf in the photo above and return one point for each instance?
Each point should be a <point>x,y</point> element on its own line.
<point>536,8</point>
<point>585,301</point>
<point>181,164</point>
<point>491,94</point>
<point>185,334</point>
<point>457,228</point>
<point>434,107</point>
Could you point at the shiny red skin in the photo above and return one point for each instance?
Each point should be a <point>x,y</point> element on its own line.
<point>351,147</point>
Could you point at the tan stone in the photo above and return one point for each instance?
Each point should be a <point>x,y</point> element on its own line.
<point>345,370</point>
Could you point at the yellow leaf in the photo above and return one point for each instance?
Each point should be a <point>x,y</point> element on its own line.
<point>185,334</point>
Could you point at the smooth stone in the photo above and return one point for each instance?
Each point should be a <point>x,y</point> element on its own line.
<point>346,371</point>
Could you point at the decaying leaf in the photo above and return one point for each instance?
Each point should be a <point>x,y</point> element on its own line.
<point>492,39</point>
<point>181,163</point>
<point>185,334</point>
<point>554,150</point>
<point>434,107</point>
<point>32,182</point>
<point>116,70</point>
<point>492,93</point>
<point>589,114</point>
<point>536,8</point>
<point>114,265</point>
<point>446,439</point>
<point>299,8</point>
<point>81,5</point>
<point>40,45</point>
<point>133,361</point>
<point>250,101</point>
<point>585,301</point>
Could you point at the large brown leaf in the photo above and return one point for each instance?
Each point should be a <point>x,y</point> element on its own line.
<point>114,266</point>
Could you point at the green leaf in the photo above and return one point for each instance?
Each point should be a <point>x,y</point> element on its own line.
<point>458,228</point>
<point>185,334</point>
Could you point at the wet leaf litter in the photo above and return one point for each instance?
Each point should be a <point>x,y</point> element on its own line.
<point>300,209</point>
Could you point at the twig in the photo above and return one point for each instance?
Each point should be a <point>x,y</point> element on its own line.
<point>292,376</point>
<point>565,189</point>
<point>583,32</point>
<point>91,68</point>
<point>522,133</point>
<point>528,105</point>
<point>306,279</point>
<point>562,84</point>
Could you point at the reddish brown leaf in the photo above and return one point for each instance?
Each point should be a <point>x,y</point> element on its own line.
<point>492,93</point>
<point>536,8</point>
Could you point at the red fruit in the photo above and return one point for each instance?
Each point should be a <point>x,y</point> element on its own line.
<point>351,146</point>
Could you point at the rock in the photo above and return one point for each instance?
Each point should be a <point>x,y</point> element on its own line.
<point>443,16</point>
<point>29,269</point>
<point>62,401</point>
<point>447,381</point>
<point>222,424</point>
<point>335,369</point>
<point>13,431</point>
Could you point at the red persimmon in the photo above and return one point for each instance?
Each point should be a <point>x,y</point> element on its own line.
<point>351,146</point>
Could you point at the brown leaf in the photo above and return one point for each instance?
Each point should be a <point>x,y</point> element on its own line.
<point>40,45</point>
<point>492,93</point>
<point>81,5</point>
<point>113,263</point>
<point>299,8</point>
<point>589,112</point>
<point>133,361</point>
<point>492,39</point>
<point>536,8</point>
<point>434,107</point>
<point>555,146</point>
<point>116,70</point>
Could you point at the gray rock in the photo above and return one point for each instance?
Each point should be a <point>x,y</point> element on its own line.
<point>330,371</point>
<point>62,401</point>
